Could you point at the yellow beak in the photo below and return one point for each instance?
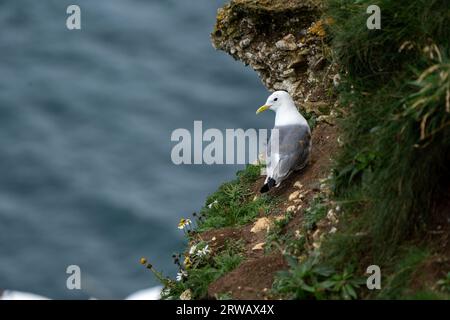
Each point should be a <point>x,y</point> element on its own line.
<point>263,108</point>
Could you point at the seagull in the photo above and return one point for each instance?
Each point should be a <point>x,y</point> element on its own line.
<point>289,146</point>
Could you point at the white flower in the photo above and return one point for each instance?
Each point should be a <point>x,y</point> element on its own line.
<point>212,203</point>
<point>181,275</point>
<point>203,252</point>
<point>186,295</point>
<point>192,249</point>
<point>165,292</point>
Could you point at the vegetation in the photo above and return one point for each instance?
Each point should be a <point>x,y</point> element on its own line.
<point>313,280</point>
<point>387,179</point>
<point>395,96</point>
<point>394,164</point>
<point>232,204</point>
<point>198,271</point>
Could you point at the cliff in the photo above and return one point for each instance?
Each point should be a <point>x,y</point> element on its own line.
<point>284,42</point>
<point>376,192</point>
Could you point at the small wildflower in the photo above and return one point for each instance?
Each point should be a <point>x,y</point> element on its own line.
<point>193,249</point>
<point>184,223</point>
<point>203,252</point>
<point>186,295</point>
<point>181,275</point>
<point>187,262</point>
<point>143,261</point>
<point>165,292</point>
<point>212,204</point>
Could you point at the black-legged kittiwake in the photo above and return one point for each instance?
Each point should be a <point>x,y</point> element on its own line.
<point>289,146</point>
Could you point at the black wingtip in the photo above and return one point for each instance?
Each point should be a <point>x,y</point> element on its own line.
<point>267,186</point>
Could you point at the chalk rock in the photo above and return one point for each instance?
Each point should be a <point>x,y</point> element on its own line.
<point>259,246</point>
<point>262,224</point>
<point>294,195</point>
<point>287,43</point>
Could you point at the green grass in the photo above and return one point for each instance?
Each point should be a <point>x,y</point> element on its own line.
<point>312,279</point>
<point>395,98</point>
<point>200,276</point>
<point>398,281</point>
<point>316,212</point>
<point>277,237</point>
<point>233,204</point>
<point>397,124</point>
<point>444,284</point>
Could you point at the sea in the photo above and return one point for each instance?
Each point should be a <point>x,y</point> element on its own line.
<point>86,117</point>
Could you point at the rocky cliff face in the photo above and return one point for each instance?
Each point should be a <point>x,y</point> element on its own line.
<point>284,42</point>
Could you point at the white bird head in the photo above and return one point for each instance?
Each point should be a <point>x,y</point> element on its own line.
<point>277,100</point>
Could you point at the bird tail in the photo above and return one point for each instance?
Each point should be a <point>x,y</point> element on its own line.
<point>267,186</point>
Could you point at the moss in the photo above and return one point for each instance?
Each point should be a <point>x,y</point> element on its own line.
<point>233,204</point>
<point>268,16</point>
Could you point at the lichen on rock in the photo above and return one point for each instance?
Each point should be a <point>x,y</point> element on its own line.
<point>284,42</point>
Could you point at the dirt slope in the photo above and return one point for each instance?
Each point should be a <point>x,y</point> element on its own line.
<point>254,277</point>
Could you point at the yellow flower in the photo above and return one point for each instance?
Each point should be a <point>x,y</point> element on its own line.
<point>143,261</point>
<point>183,223</point>
<point>187,262</point>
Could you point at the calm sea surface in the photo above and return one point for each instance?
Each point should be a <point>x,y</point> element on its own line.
<point>85,122</point>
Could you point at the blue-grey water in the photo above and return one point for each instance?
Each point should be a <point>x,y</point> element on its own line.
<point>86,116</point>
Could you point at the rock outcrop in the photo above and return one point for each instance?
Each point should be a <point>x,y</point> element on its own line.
<point>284,42</point>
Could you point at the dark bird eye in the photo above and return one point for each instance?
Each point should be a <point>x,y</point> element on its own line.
<point>276,99</point>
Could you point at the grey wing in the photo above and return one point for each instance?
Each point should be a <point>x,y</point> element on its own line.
<point>294,149</point>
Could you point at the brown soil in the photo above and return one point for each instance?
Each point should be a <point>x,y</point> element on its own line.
<point>251,280</point>
<point>254,277</point>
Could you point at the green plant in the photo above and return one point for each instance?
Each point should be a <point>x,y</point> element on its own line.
<point>444,284</point>
<point>313,280</point>
<point>316,212</point>
<point>224,296</point>
<point>344,285</point>
<point>401,271</point>
<point>233,203</point>
<point>198,276</point>
<point>275,236</point>
<point>396,129</point>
